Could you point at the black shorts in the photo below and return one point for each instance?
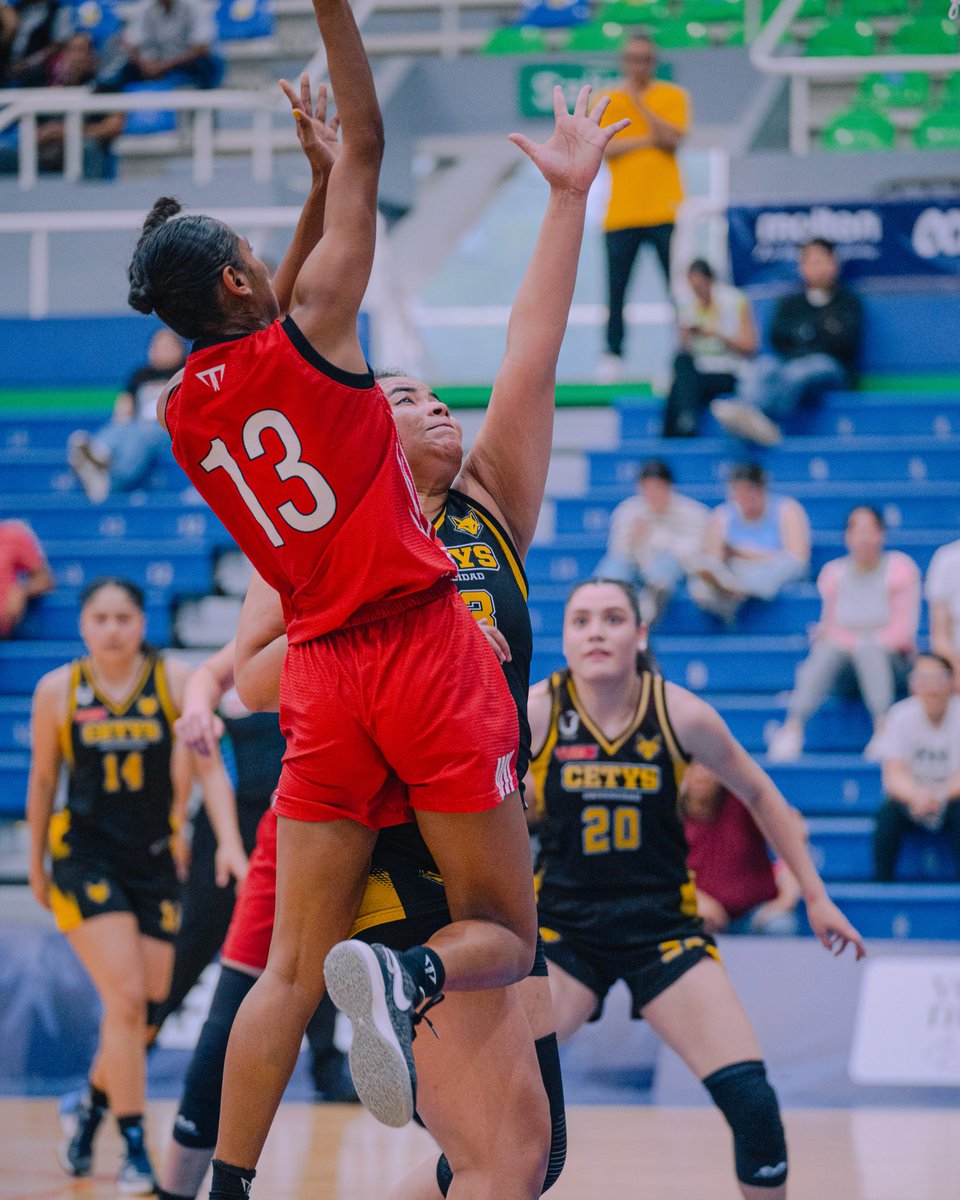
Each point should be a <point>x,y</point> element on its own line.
<point>85,887</point>
<point>647,969</point>
<point>405,904</point>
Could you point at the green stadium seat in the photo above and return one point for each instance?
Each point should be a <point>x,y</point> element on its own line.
<point>597,36</point>
<point>902,89</point>
<point>951,91</point>
<point>926,35</point>
<point>874,8</point>
<point>516,39</point>
<point>736,37</point>
<point>930,8</point>
<point>811,9</point>
<point>710,12</point>
<point>842,38</point>
<point>682,35</point>
<point>939,131</point>
<point>858,129</point>
<point>631,13</point>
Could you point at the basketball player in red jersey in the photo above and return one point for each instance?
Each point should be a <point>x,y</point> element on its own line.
<point>283,431</point>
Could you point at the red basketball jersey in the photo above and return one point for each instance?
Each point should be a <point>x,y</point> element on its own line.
<point>302,464</point>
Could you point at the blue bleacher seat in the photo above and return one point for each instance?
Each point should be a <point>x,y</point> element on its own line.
<point>554,14</point>
<point>147,121</point>
<point>890,910</point>
<point>98,18</point>
<point>239,20</point>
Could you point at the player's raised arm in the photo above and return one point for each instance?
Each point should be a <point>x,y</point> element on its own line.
<point>510,456</point>
<point>699,725</point>
<point>332,281</point>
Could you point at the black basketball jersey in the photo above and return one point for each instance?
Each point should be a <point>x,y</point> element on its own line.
<point>610,825</point>
<point>119,789</point>
<point>492,584</point>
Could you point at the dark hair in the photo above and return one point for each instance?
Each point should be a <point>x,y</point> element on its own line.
<point>393,373</point>
<point>700,266</point>
<point>749,473</point>
<point>646,661</point>
<point>867,508</point>
<point>655,468</point>
<point>823,243</point>
<point>176,268</point>
<point>937,658</point>
<point>134,594</point>
<point>641,35</point>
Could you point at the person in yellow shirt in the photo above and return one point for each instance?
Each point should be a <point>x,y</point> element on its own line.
<point>646,188</point>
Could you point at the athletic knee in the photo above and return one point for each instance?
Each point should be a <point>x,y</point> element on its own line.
<point>743,1094</point>
<point>126,1004</point>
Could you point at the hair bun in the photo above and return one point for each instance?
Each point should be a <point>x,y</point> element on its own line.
<point>141,297</point>
<point>163,209</point>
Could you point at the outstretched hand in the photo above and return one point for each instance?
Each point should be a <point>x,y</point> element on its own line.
<point>571,157</point>
<point>833,929</point>
<point>318,137</point>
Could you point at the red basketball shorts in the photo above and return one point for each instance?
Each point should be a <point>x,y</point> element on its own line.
<point>418,696</point>
<point>247,943</point>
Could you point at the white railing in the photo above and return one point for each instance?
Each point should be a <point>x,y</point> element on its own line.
<point>803,71</point>
<point>21,107</point>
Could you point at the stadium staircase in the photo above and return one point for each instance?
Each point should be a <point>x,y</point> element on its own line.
<point>897,450</point>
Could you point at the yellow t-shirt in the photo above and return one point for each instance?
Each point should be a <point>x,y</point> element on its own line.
<point>645,184</point>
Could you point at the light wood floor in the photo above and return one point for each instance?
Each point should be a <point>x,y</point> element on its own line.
<point>325,1152</point>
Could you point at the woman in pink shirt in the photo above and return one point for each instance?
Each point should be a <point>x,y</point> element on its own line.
<point>868,628</point>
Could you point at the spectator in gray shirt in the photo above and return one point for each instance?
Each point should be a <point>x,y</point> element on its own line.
<point>170,40</point>
<point>654,538</point>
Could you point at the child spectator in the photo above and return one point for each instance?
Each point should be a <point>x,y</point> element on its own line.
<point>739,889</point>
<point>717,337</point>
<point>816,341</point>
<point>943,597</point>
<point>23,573</point>
<point>920,751</point>
<point>654,538</point>
<point>868,627</point>
<point>121,455</point>
<point>755,543</point>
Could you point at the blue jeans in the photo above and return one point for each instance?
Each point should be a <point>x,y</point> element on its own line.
<point>664,572</point>
<point>777,386</point>
<point>134,448</point>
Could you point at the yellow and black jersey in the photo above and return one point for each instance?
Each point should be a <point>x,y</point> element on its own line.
<point>119,788</point>
<point>610,828</point>
<point>493,585</point>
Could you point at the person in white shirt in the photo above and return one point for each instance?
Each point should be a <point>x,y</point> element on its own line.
<point>943,596</point>
<point>655,538</point>
<point>717,337</point>
<point>921,764</point>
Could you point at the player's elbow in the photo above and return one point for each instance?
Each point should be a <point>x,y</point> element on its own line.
<point>367,140</point>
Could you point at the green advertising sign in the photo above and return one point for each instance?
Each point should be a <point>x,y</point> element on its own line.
<point>537,82</point>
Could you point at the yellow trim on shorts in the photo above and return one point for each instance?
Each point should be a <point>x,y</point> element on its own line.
<point>381,903</point>
<point>57,834</point>
<point>66,910</point>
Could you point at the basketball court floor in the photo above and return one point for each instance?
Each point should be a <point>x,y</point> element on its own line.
<point>332,1152</point>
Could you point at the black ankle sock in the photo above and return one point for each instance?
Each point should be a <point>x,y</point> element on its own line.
<point>424,967</point>
<point>161,1194</point>
<point>98,1098</point>
<point>131,1130</point>
<point>230,1182</point>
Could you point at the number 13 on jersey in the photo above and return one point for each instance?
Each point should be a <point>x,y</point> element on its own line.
<point>291,466</point>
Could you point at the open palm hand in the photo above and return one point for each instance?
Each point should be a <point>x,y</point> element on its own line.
<point>571,157</point>
<point>318,137</point>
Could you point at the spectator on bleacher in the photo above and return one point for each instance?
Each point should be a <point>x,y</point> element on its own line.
<point>868,630</point>
<point>75,66</point>
<point>645,184</point>
<point>24,573</point>
<point>739,888</point>
<point>815,335</point>
<point>655,537</point>
<point>756,542</point>
<point>120,456</point>
<point>943,597</point>
<point>920,751</point>
<point>8,31</point>
<point>41,30</point>
<point>717,337</point>
<point>170,40</point>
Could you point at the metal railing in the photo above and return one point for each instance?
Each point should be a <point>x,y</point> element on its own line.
<point>803,71</point>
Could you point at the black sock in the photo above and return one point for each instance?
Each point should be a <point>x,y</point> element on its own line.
<point>164,1195</point>
<point>229,1182</point>
<point>131,1130</point>
<point>98,1098</point>
<point>424,967</point>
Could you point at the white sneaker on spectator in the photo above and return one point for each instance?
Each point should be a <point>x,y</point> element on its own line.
<point>746,421</point>
<point>90,469</point>
<point>786,745</point>
<point>609,369</point>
